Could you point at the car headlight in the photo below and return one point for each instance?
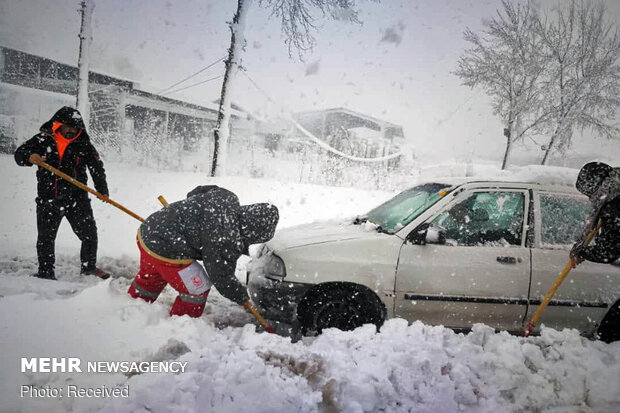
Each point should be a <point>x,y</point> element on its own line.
<point>275,268</point>
<point>262,250</point>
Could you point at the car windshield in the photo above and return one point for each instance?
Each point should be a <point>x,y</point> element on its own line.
<point>399,211</point>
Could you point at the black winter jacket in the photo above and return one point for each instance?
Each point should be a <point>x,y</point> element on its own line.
<point>607,248</point>
<point>79,155</point>
<point>601,183</point>
<point>211,226</point>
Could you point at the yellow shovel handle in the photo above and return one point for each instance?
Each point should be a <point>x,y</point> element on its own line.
<point>569,265</point>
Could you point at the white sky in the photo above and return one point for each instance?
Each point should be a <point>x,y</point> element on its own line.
<point>159,42</point>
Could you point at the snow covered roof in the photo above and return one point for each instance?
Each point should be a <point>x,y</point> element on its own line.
<point>382,123</point>
<point>70,64</point>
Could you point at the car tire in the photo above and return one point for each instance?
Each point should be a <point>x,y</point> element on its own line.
<point>609,329</point>
<point>340,306</point>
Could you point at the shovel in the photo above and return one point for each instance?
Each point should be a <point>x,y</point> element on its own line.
<point>569,265</point>
<point>86,188</point>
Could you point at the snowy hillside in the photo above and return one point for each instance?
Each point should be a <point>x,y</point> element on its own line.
<point>232,366</point>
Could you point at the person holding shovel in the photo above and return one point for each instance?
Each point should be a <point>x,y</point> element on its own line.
<point>601,183</point>
<point>209,225</point>
<point>63,143</point>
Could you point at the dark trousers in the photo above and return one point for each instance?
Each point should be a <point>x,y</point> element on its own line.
<point>80,216</point>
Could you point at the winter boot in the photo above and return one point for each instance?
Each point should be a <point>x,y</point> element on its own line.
<point>44,276</point>
<point>189,304</point>
<point>96,272</point>
<point>147,288</point>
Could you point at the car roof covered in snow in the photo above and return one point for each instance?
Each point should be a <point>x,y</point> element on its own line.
<point>539,177</point>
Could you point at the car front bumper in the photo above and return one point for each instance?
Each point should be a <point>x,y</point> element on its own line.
<point>277,300</point>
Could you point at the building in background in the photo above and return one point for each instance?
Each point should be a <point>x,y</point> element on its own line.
<point>353,133</point>
<point>123,117</point>
<point>131,125</point>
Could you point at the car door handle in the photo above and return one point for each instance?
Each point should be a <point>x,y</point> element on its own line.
<point>508,260</point>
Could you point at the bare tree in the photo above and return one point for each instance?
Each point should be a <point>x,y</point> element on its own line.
<point>506,62</point>
<point>299,19</point>
<point>86,37</point>
<point>582,82</point>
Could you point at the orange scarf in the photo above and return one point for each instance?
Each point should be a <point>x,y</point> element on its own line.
<point>61,141</point>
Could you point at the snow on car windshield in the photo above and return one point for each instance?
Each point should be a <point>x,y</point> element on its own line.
<point>399,211</point>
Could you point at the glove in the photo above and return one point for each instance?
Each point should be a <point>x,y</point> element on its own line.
<point>575,255</point>
<point>35,158</point>
<point>103,198</point>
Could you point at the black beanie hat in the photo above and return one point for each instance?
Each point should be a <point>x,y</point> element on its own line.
<point>257,223</point>
<point>66,115</point>
<point>591,176</point>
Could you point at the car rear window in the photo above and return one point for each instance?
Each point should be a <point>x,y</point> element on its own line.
<point>563,217</point>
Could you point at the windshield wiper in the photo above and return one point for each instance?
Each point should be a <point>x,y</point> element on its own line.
<point>360,220</point>
<point>363,219</point>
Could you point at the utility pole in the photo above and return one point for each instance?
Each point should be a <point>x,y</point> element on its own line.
<point>86,37</point>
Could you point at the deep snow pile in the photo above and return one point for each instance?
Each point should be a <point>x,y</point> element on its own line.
<point>231,366</point>
<point>234,368</point>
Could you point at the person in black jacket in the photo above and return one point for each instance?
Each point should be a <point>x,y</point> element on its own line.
<point>63,143</point>
<point>601,183</point>
<point>209,225</point>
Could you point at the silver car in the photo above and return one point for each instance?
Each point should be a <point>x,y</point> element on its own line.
<point>444,253</point>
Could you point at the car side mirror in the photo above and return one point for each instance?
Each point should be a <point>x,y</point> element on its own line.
<point>435,235</point>
<point>427,234</point>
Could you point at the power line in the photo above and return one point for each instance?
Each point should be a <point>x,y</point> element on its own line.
<point>318,141</point>
<point>190,76</point>
<point>195,84</point>
<point>256,86</point>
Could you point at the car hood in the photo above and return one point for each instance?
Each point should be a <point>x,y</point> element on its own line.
<point>320,233</point>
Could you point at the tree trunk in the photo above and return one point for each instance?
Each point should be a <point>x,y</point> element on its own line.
<point>506,153</point>
<point>508,132</point>
<point>86,37</point>
<point>221,133</point>
<point>548,150</point>
<point>554,138</point>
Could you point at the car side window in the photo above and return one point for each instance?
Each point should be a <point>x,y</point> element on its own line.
<point>484,219</point>
<point>562,218</point>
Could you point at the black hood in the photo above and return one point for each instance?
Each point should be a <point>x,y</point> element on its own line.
<point>591,176</point>
<point>257,223</point>
<point>66,115</point>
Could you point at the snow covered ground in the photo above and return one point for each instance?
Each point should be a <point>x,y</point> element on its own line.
<point>232,366</point>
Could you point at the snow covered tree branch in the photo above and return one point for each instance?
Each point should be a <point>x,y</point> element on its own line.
<point>298,23</point>
<point>506,62</point>
<point>547,75</point>
<point>582,82</point>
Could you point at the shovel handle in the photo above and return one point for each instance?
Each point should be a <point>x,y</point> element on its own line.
<point>532,324</point>
<point>560,278</point>
<point>248,306</point>
<point>87,189</point>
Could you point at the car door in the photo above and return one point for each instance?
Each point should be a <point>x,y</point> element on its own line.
<point>480,274</point>
<point>584,296</point>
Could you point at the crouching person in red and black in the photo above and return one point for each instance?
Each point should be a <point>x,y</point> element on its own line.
<point>208,225</point>
<point>63,143</point>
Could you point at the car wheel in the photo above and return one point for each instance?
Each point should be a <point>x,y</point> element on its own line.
<point>609,329</point>
<point>341,307</point>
